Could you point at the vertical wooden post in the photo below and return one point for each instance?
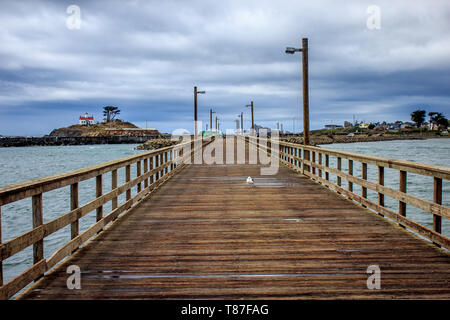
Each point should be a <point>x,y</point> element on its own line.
<point>320,163</point>
<point>172,165</point>
<point>114,202</point>
<point>145,171</point>
<point>327,164</point>
<point>98,193</point>
<point>402,188</point>
<point>339,167</point>
<point>74,226</point>
<point>350,172</point>
<point>151,168</point>
<point>437,195</point>
<point>1,261</point>
<point>138,174</point>
<point>381,183</point>
<point>313,160</point>
<point>364,176</point>
<point>166,159</point>
<point>38,219</point>
<point>127,179</point>
<point>157,166</point>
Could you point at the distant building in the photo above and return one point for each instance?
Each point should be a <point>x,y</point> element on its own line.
<point>347,124</point>
<point>364,125</point>
<point>332,126</point>
<point>86,120</point>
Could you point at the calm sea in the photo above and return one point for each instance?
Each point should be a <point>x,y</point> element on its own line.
<point>24,163</point>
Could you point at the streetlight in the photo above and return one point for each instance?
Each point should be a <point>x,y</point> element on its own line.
<point>195,110</point>
<point>253,122</point>
<point>304,51</point>
<point>242,122</point>
<point>210,121</point>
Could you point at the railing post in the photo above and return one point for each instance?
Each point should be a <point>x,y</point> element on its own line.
<point>127,179</point>
<point>350,172</point>
<point>74,226</point>
<point>145,171</point>
<point>1,261</point>
<point>320,163</point>
<point>381,183</point>
<point>364,176</point>
<point>38,247</point>
<point>339,167</point>
<point>151,168</point>
<point>437,198</point>
<point>98,193</point>
<point>157,166</point>
<point>314,161</point>
<point>327,164</point>
<point>166,159</point>
<point>402,188</point>
<point>138,174</point>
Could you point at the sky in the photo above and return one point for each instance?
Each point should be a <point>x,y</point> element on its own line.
<point>373,60</point>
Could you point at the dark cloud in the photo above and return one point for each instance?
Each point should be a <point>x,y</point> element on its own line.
<point>146,56</point>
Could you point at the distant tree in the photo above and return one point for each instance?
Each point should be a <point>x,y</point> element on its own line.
<point>110,112</point>
<point>418,117</point>
<point>438,119</point>
<point>371,126</point>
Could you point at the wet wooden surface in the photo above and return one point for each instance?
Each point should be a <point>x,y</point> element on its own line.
<point>206,234</point>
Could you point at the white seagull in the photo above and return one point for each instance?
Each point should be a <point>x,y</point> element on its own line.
<point>249,180</point>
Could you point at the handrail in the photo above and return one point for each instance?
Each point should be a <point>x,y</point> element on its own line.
<point>152,169</point>
<point>314,162</point>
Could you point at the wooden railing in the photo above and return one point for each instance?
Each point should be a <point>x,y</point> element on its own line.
<point>152,169</point>
<point>314,162</point>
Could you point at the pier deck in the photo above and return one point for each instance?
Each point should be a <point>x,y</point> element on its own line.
<point>206,234</point>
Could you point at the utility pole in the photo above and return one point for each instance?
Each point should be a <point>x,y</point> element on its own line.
<point>253,121</point>
<point>216,123</point>
<point>210,120</point>
<point>242,122</point>
<point>195,110</point>
<point>305,92</point>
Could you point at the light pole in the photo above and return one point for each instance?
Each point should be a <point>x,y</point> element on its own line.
<point>242,122</point>
<point>210,121</point>
<point>304,51</point>
<point>217,123</point>
<point>195,110</point>
<point>253,121</point>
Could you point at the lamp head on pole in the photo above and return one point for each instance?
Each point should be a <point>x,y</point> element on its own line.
<point>290,50</point>
<point>201,92</point>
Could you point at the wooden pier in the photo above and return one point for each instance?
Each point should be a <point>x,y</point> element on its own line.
<point>200,231</point>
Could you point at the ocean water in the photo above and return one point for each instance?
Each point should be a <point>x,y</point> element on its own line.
<point>25,163</point>
<point>431,151</point>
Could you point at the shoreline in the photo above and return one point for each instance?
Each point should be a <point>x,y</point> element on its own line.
<point>345,139</point>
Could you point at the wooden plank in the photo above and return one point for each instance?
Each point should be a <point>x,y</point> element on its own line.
<point>285,236</point>
<point>38,246</point>
<point>402,220</point>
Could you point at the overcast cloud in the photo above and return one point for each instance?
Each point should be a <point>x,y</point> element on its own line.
<point>146,56</point>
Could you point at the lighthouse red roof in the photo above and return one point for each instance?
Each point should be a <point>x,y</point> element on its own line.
<point>87,118</point>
